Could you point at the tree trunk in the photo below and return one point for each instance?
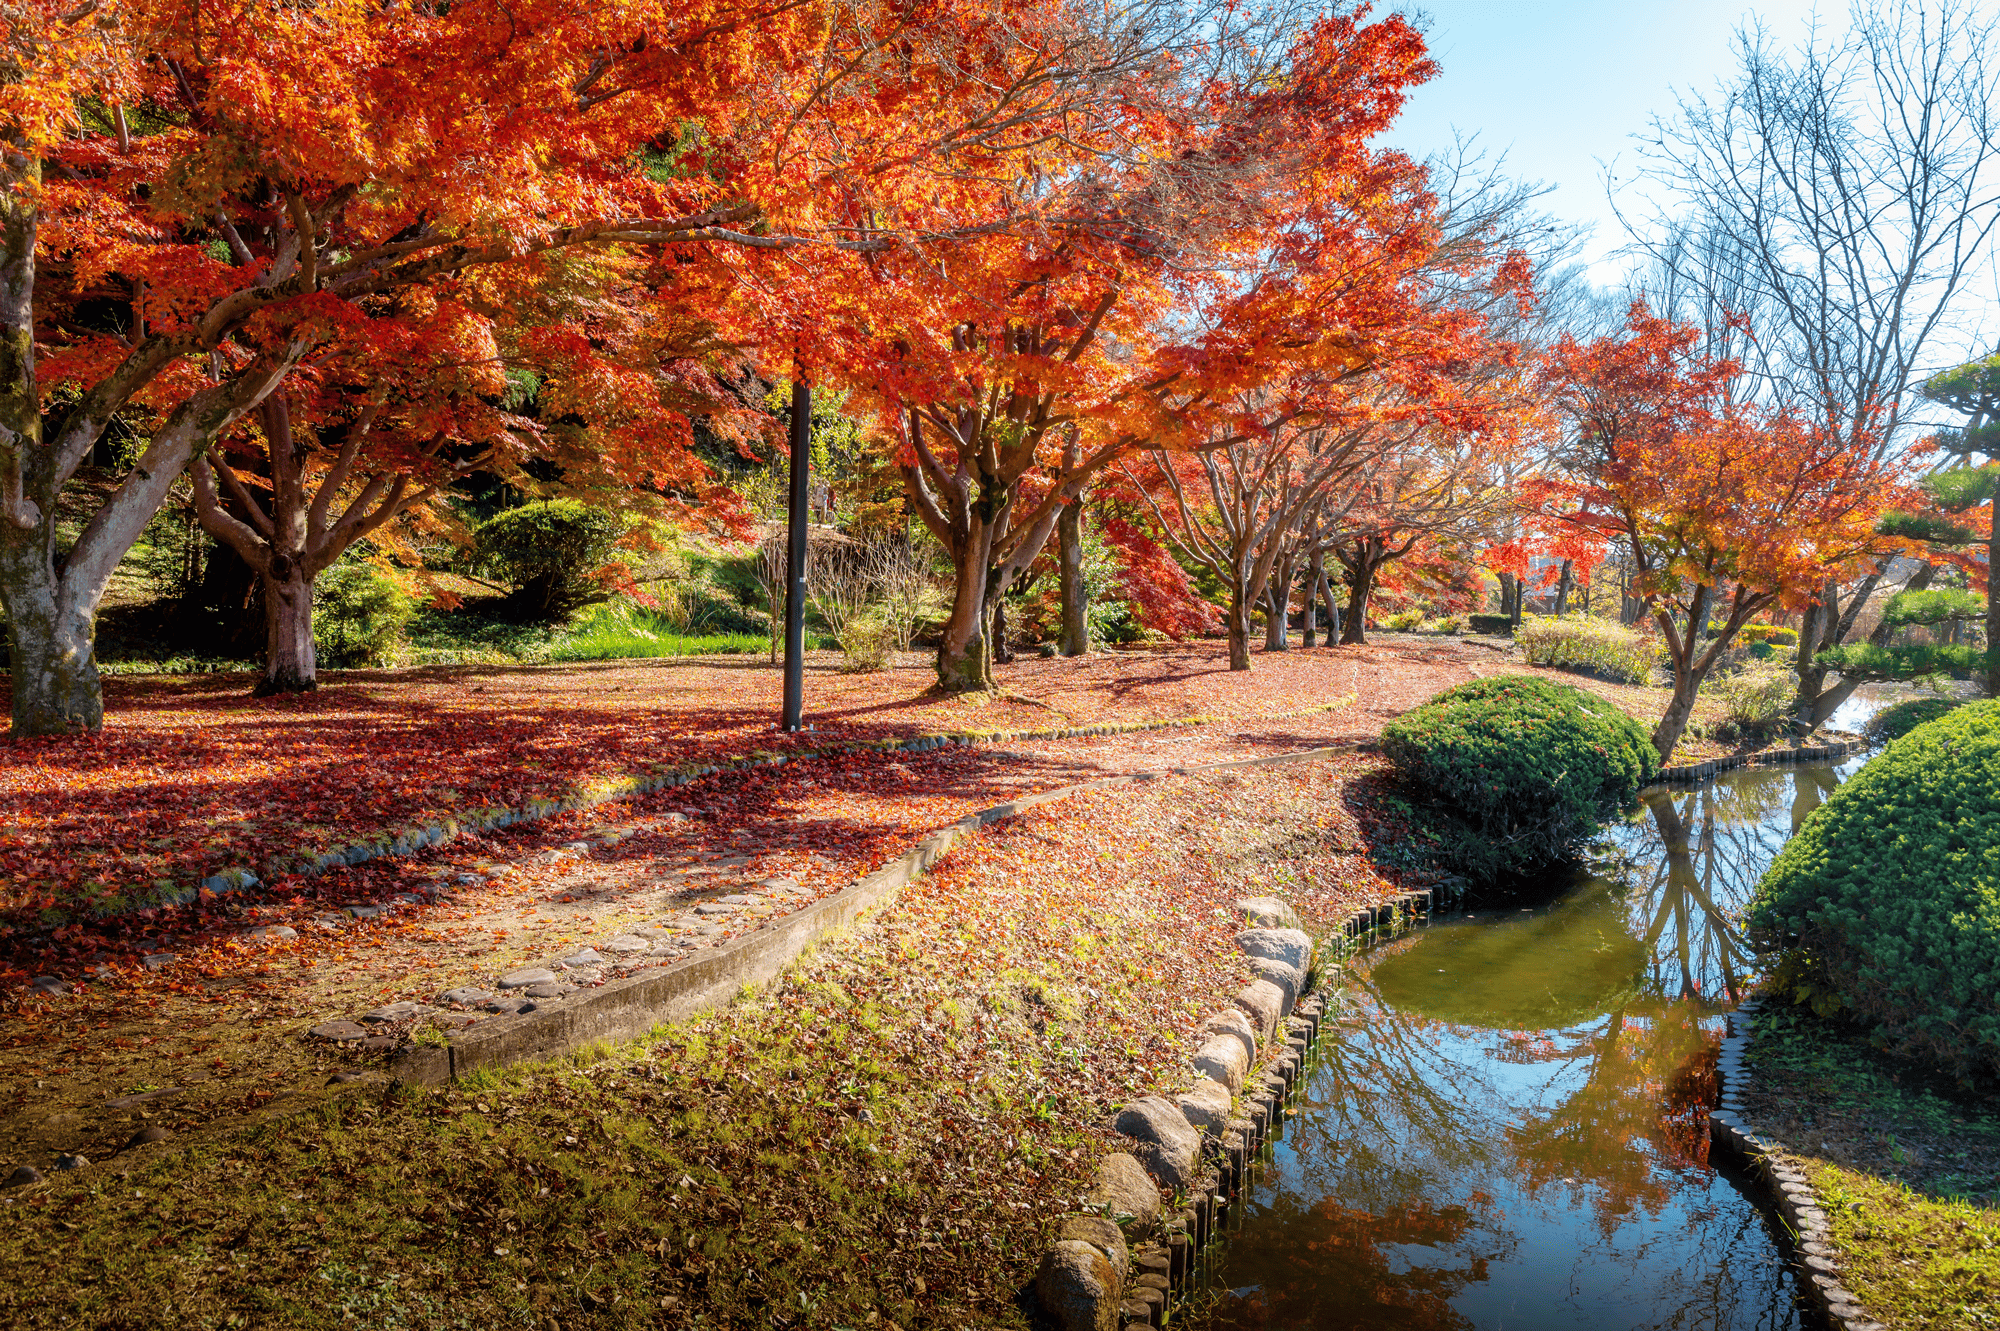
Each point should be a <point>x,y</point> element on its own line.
<point>53,662</point>
<point>1002,654</point>
<point>1332,603</point>
<point>1309,603</point>
<point>1828,697</point>
<point>1240,600</point>
<point>1563,586</point>
<point>1278,608</point>
<point>1674,720</point>
<point>290,665</point>
<point>965,651</point>
<point>1069,552</point>
<point>1355,629</point>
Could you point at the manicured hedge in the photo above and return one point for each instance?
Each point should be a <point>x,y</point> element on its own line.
<point>1518,771</point>
<point>1888,899</point>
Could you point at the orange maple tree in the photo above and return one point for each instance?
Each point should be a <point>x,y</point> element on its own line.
<point>1727,509</point>
<point>1126,283</point>
<point>217,196</point>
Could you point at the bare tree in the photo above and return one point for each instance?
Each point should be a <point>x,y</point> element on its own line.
<point>1842,196</point>
<point>1238,509</point>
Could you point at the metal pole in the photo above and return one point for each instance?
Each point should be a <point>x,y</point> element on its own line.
<point>795,556</point>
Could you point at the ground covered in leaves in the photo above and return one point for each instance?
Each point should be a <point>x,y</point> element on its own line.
<point>214,1035</point>
<point>191,777</point>
<point>882,1137</point>
<point>1905,1162</point>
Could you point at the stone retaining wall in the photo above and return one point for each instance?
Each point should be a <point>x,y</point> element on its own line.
<point>1119,1265</point>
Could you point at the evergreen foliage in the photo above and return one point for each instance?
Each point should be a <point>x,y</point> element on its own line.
<point>551,552</point>
<point>1889,896</point>
<point>1519,771</point>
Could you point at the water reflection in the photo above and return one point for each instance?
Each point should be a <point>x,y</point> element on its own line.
<point>1507,1129</point>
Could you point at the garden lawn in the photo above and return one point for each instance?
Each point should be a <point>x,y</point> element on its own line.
<point>883,1137</point>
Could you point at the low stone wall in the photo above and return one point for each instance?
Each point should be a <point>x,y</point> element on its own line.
<point>543,1012</point>
<point>1791,1196</point>
<point>1118,1265</point>
<point>1832,751</point>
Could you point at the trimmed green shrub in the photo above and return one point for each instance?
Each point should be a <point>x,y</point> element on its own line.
<point>1501,624</point>
<point>1898,720</point>
<point>1519,771</point>
<point>551,552</point>
<point>1888,899</point>
<point>359,616</point>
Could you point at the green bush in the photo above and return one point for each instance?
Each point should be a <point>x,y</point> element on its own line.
<point>1519,770</point>
<point>359,616</point>
<point>1754,702</point>
<point>1404,621</point>
<point>1444,624</point>
<point>1501,624</point>
<point>1751,634</point>
<point>1896,721</point>
<point>550,552</point>
<point>1888,899</point>
<point>1594,645</point>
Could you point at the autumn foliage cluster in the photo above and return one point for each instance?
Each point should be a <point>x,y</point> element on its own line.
<point>308,259</point>
<point>299,257</point>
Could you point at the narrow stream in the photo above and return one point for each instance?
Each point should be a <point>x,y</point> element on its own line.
<point>1507,1126</point>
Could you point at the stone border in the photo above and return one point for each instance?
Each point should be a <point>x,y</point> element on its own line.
<point>409,840</point>
<point>1810,753</point>
<point>1197,1146</point>
<point>1793,1196</point>
<point>629,1007</point>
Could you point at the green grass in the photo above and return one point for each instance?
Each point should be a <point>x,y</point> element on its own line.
<point>1905,1163</point>
<point>611,644</point>
<point>1916,1263</point>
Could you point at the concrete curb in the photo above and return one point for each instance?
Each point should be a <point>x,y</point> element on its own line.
<point>627,1008</point>
<point>1793,1198</point>
<point>409,840</point>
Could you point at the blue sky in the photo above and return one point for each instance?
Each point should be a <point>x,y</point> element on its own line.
<point>1561,85</point>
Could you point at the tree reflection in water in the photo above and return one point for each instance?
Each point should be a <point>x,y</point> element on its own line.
<point>1509,1127</point>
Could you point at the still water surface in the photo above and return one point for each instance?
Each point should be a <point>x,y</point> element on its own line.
<point>1506,1129</point>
